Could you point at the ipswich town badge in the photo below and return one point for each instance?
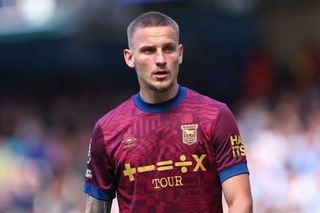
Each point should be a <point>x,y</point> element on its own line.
<point>189,133</point>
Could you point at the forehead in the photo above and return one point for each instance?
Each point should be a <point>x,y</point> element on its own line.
<point>153,35</point>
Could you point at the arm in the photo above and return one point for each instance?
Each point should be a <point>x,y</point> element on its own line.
<point>94,205</point>
<point>238,194</point>
<point>99,176</point>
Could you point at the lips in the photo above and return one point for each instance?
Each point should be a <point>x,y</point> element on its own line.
<point>161,74</point>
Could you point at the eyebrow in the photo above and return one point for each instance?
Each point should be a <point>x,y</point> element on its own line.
<point>147,47</point>
<point>153,46</point>
<point>170,44</point>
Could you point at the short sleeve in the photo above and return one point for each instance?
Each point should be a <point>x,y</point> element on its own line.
<point>228,145</point>
<point>99,177</point>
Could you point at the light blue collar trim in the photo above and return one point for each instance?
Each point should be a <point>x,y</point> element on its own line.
<point>160,107</point>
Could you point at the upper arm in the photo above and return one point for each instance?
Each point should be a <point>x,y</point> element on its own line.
<point>229,148</point>
<point>232,163</point>
<point>237,193</point>
<point>94,205</point>
<point>100,178</point>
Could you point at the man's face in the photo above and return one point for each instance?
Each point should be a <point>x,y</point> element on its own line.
<point>156,55</point>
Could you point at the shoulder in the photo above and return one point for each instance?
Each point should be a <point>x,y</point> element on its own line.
<point>204,102</point>
<point>117,115</point>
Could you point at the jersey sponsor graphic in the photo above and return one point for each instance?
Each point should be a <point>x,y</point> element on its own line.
<point>189,133</point>
<point>163,182</point>
<point>237,146</point>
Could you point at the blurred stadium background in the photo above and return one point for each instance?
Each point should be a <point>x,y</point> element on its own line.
<point>61,67</point>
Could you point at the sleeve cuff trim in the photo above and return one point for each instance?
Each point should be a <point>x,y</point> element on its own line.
<point>233,171</point>
<point>98,193</point>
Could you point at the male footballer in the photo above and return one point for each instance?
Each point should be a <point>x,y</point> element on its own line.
<point>167,148</point>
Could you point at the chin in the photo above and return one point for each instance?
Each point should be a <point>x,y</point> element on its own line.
<point>161,88</point>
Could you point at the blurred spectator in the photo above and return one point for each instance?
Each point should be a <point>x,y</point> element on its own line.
<point>282,140</point>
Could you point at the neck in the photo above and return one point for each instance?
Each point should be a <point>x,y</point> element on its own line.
<point>154,96</point>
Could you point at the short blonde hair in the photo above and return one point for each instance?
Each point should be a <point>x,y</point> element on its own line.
<point>151,19</point>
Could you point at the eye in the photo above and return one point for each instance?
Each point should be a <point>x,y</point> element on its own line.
<point>169,48</point>
<point>148,50</point>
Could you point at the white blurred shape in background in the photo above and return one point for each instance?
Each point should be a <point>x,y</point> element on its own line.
<point>37,12</point>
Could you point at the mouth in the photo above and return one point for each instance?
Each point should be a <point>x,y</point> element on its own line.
<point>161,74</point>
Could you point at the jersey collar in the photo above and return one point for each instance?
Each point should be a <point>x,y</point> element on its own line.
<point>160,107</point>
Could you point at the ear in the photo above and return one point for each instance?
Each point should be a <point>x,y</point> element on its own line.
<point>128,57</point>
<point>180,53</point>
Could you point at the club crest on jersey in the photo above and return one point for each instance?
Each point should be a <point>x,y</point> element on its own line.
<point>189,133</point>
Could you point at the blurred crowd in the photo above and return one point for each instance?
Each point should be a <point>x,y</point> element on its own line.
<point>43,151</point>
<point>279,118</point>
<point>282,137</point>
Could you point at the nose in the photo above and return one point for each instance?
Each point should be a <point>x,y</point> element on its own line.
<point>160,58</point>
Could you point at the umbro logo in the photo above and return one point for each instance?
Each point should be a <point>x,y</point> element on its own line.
<point>128,142</point>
